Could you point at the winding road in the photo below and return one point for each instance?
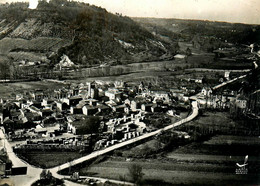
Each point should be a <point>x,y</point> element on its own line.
<point>95,154</point>
<point>33,173</point>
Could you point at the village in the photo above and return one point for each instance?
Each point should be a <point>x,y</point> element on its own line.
<point>118,111</point>
<point>94,115</point>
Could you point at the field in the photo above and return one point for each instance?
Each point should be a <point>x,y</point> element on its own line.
<point>37,44</point>
<point>47,160</point>
<point>211,161</point>
<point>11,89</point>
<point>191,164</point>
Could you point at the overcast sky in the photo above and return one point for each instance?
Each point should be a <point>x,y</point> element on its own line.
<point>243,11</point>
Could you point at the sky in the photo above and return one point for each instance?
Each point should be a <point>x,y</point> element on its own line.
<point>239,11</point>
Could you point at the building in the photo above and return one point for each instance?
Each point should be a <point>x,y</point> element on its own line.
<point>61,106</point>
<point>206,91</point>
<point>147,107</point>
<point>241,103</point>
<point>89,110</point>
<point>73,101</point>
<point>76,110</point>
<point>92,91</point>
<point>161,95</point>
<point>113,94</point>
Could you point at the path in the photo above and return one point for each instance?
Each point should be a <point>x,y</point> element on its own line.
<point>228,82</point>
<point>125,143</point>
<point>33,173</point>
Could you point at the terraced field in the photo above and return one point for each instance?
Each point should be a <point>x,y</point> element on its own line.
<point>38,44</point>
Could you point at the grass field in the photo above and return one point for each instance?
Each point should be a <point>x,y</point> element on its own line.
<point>209,162</point>
<point>49,159</point>
<point>171,171</point>
<point>11,89</point>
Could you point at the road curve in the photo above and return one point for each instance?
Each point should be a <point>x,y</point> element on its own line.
<point>95,154</point>
<point>33,173</point>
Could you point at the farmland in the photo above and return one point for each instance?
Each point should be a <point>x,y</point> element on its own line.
<point>47,160</point>
<point>11,89</point>
<point>205,160</point>
<point>180,170</point>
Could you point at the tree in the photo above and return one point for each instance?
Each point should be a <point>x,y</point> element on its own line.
<point>88,125</point>
<point>48,175</point>
<point>43,174</point>
<point>4,70</point>
<point>136,172</point>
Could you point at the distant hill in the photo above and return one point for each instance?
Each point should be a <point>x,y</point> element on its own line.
<point>87,34</point>
<point>206,34</point>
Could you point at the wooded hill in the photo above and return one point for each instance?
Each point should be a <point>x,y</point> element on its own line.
<point>86,33</point>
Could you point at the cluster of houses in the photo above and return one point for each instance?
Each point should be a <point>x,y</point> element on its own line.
<point>121,108</point>
<point>69,144</point>
<point>223,100</point>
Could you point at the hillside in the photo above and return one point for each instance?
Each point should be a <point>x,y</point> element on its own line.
<point>87,34</point>
<point>206,35</point>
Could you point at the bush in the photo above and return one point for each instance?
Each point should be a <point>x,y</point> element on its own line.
<point>136,172</point>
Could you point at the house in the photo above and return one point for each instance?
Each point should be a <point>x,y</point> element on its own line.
<point>103,108</point>
<point>156,108</point>
<point>32,117</point>
<point>76,110</point>
<point>241,103</point>
<point>48,120</point>
<point>113,94</point>
<point>7,121</point>
<point>47,101</point>
<point>40,131</point>
<point>127,109</point>
<point>227,75</point>
<point>136,104</point>
<point>92,102</point>
<point>89,110</point>
<point>75,91</point>
<point>147,107</point>
<point>61,106</point>
<point>128,101</point>
<point>60,94</point>
<point>119,84</point>
<point>177,92</point>
<point>72,101</point>
<point>92,91</point>
<point>45,112</point>
<point>119,108</point>
<point>206,91</point>
<point>78,126</point>
<point>72,128</point>
<point>38,95</point>
<point>58,117</point>
<point>161,95</point>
